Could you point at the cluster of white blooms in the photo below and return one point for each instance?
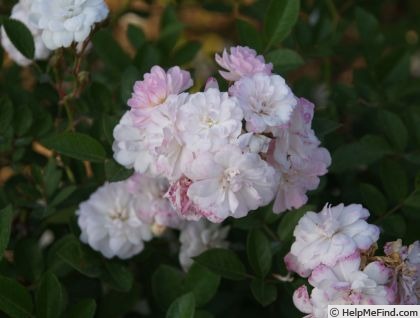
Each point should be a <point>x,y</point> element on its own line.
<point>54,24</point>
<point>223,153</point>
<point>335,250</point>
<point>120,216</point>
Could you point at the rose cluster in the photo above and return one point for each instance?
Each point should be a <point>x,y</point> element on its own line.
<point>120,216</point>
<point>202,157</point>
<point>335,249</point>
<point>54,24</point>
<point>223,153</point>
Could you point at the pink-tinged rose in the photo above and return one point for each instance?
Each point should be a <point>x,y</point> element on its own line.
<point>240,62</point>
<point>156,86</point>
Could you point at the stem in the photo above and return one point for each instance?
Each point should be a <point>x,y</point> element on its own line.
<point>395,208</point>
<point>333,11</point>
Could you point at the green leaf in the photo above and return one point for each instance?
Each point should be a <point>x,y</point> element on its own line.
<point>166,285</point>
<point>186,53</point>
<point>49,297</point>
<point>264,293</point>
<point>413,201</point>
<point>394,225</point>
<point>83,309</point>
<point>202,283</point>
<point>115,172</point>
<point>373,199</point>
<point>203,314</point>
<point>394,180</point>
<point>109,50</point>
<point>259,252</point>
<point>364,152</point>
<point>62,195</point>
<point>136,36</point>
<point>394,129</point>
<point>284,59</point>
<point>248,35</point>
<point>6,218</point>
<point>324,126</point>
<point>289,221</point>
<point>182,307</point>
<point>280,18</point>
<point>76,145</point>
<point>118,276</point>
<point>223,262</point>
<point>15,300</point>
<point>130,75</point>
<point>29,260</point>
<point>147,57</point>
<point>20,36</point>
<point>6,111</point>
<point>71,252</point>
<point>22,120</point>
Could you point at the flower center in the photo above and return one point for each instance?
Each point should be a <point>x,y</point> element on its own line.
<point>231,179</point>
<point>119,214</point>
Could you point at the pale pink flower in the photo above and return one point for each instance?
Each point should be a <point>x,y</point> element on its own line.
<point>155,88</point>
<point>110,224</point>
<point>211,83</point>
<point>153,207</point>
<point>240,62</point>
<point>231,183</point>
<point>344,284</point>
<point>209,120</point>
<point>327,236</point>
<point>266,101</point>
<point>302,175</point>
<point>251,142</point>
<point>178,196</point>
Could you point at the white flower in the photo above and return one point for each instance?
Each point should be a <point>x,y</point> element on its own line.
<point>266,100</point>
<point>66,21</point>
<point>199,236</point>
<point>209,120</point>
<point>231,183</point>
<point>299,175</point>
<point>344,284</point>
<point>21,12</point>
<point>325,237</point>
<point>256,143</point>
<point>110,224</point>
<point>172,154</point>
<point>130,146</point>
<point>152,206</point>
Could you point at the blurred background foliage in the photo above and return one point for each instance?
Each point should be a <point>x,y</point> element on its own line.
<point>358,61</point>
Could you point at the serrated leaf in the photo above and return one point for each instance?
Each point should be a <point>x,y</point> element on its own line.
<point>15,300</point>
<point>289,221</point>
<point>249,35</point>
<point>115,172</point>
<point>49,297</point>
<point>394,180</point>
<point>166,285</point>
<point>136,36</point>
<point>62,195</point>
<point>373,199</point>
<point>6,218</point>
<point>259,252</point>
<point>263,292</point>
<point>223,262</point>
<point>118,276</point>
<point>182,307</point>
<point>280,18</point>
<point>202,283</point>
<point>394,129</point>
<point>76,145</point>
<point>284,59</point>
<point>20,36</point>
